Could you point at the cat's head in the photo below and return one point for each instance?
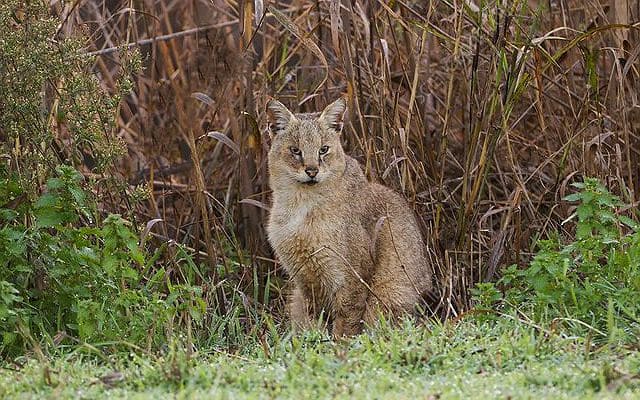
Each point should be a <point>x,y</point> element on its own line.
<point>305,148</point>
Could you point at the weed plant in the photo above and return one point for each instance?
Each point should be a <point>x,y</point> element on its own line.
<point>588,285</point>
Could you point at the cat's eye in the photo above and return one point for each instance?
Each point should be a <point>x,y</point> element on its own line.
<point>324,150</point>
<point>295,151</point>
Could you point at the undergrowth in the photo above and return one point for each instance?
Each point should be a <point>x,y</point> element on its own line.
<point>586,285</point>
<point>71,273</point>
<point>61,282</point>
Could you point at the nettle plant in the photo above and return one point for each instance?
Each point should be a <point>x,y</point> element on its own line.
<point>90,282</point>
<point>590,284</point>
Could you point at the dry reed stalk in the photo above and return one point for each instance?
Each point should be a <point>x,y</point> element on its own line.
<point>481,113</point>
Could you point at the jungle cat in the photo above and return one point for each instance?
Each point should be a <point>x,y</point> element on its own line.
<point>352,248</point>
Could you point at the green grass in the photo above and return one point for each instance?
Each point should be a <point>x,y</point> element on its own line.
<point>491,359</point>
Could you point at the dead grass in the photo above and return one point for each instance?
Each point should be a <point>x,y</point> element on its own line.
<point>480,112</point>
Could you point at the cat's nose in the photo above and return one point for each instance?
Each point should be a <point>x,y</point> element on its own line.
<point>311,171</point>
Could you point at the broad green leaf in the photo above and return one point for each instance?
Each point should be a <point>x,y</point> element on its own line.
<point>47,200</point>
<point>48,217</point>
<point>55,183</point>
<point>573,197</point>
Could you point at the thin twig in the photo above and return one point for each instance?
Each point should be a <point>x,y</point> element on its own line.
<point>160,38</point>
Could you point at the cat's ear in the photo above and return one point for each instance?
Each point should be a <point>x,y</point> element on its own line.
<point>333,114</point>
<point>278,116</point>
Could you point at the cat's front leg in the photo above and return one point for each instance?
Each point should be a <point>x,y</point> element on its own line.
<point>299,310</point>
<point>349,311</point>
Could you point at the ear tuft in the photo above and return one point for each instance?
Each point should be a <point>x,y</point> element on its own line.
<point>333,114</point>
<point>278,116</point>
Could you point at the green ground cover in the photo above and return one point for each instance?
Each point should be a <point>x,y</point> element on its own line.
<point>499,358</point>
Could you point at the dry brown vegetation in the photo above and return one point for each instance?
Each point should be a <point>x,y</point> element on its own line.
<point>480,112</point>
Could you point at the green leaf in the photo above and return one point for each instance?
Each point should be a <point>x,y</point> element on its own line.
<point>9,338</point>
<point>48,217</point>
<point>609,201</point>
<point>607,216</point>
<point>130,273</point>
<point>47,200</point>
<point>587,197</point>
<point>8,215</point>
<point>579,185</point>
<point>629,222</point>
<point>110,263</point>
<point>136,254</point>
<point>8,293</point>
<point>78,195</point>
<point>55,183</point>
<point>584,212</point>
<point>573,197</point>
<point>14,243</point>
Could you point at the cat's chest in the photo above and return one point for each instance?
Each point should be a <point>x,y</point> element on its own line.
<point>303,226</point>
<point>307,239</point>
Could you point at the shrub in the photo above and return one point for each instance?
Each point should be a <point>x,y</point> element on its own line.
<point>591,282</point>
<point>63,268</point>
<point>53,108</point>
<point>85,281</point>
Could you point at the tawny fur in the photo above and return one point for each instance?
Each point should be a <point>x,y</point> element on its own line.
<point>352,248</point>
